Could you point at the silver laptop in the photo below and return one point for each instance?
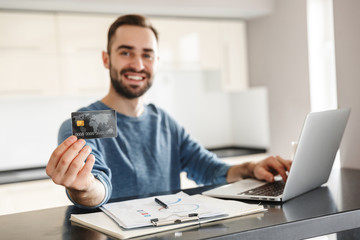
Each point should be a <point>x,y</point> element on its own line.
<point>317,147</point>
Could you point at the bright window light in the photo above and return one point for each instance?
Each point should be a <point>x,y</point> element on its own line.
<point>320,25</point>
<point>321,47</point>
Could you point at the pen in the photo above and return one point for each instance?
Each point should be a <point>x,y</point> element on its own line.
<point>161,203</point>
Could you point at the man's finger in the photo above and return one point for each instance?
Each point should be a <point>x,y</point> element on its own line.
<point>67,158</point>
<point>275,164</point>
<point>57,154</point>
<point>75,166</point>
<point>286,163</point>
<point>263,174</point>
<point>84,176</point>
<point>89,164</point>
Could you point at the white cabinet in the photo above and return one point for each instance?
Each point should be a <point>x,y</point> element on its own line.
<point>234,57</point>
<point>205,45</point>
<point>52,53</point>
<point>59,53</point>
<point>27,53</point>
<point>82,38</point>
<point>186,44</point>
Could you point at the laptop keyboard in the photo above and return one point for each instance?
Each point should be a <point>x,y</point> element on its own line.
<point>269,189</point>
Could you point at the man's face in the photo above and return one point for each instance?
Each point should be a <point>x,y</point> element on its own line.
<point>132,61</point>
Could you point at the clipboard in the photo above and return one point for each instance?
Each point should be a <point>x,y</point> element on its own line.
<point>179,219</point>
<point>146,212</point>
<point>103,223</point>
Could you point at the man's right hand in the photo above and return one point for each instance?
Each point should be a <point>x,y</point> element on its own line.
<point>66,167</point>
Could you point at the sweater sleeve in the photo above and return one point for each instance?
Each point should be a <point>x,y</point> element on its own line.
<point>201,165</point>
<point>100,170</point>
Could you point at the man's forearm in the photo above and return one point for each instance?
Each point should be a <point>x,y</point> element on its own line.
<point>91,197</point>
<point>238,172</point>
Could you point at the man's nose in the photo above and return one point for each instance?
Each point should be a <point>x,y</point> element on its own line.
<point>137,64</point>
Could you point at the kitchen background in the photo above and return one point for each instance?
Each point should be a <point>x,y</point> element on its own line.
<point>51,66</point>
<point>243,72</point>
<point>232,72</point>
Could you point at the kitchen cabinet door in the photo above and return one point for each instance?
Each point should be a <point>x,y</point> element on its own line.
<point>82,38</point>
<point>27,54</point>
<point>188,44</point>
<point>234,56</point>
<point>211,46</point>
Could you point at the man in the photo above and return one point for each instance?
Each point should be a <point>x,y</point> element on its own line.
<point>151,149</point>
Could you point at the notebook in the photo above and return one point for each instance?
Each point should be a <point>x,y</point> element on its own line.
<point>317,147</point>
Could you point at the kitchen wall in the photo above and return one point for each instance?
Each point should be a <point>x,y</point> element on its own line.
<point>214,117</point>
<point>205,113</point>
<point>278,69</point>
<point>347,52</point>
<point>250,117</point>
<point>278,60</point>
<point>29,128</point>
<point>195,94</point>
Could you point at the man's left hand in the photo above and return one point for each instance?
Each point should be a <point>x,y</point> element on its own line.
<point>266,170</point>
<point>270,167</point>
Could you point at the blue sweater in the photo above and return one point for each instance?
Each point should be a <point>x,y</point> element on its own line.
<point>148,155</point>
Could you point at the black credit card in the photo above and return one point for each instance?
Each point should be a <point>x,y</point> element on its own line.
<point>94,124</point>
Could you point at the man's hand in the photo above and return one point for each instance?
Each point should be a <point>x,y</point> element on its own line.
<point>270,167</point>
<point>66,167</point>
<point>266,170</point>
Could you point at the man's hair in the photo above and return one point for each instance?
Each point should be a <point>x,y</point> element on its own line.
<point>133,20</point>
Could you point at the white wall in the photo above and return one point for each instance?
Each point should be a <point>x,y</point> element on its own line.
<point>204,113</point>
<point>250,118</point>
<point>278,60</point>
<point>214,117</point>
<point>347,54</point>
<point>30,126</point>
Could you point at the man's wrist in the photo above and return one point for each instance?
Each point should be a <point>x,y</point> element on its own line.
<point>251,167</point>
<point>91,197</point>
<point>238,172</point>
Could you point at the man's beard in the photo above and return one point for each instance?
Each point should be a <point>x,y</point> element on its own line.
<point>130,92</point>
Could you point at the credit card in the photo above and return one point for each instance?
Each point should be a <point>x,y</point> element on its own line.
<point>94,124</point>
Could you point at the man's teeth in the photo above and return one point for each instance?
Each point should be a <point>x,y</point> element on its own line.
<point>137,78</point>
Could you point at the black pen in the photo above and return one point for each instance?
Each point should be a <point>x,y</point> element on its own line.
<point>161,203</point>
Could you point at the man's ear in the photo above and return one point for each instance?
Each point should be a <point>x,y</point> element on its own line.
<point>106,59</point>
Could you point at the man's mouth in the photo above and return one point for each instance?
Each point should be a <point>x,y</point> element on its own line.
<point>134,77</point>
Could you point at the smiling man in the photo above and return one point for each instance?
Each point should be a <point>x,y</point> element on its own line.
<point>151,148</point>
<point>131,62</point>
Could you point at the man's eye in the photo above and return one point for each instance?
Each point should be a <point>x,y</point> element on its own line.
<point>148,56</point>
<point>124,53</point>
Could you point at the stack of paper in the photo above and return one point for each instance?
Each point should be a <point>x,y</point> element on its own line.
<point>133,218</point>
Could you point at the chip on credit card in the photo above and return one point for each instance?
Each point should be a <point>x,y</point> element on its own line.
<point>94,124</point>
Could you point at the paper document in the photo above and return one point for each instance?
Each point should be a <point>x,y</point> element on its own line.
<point>146,211</point>
<point>212,209</point>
